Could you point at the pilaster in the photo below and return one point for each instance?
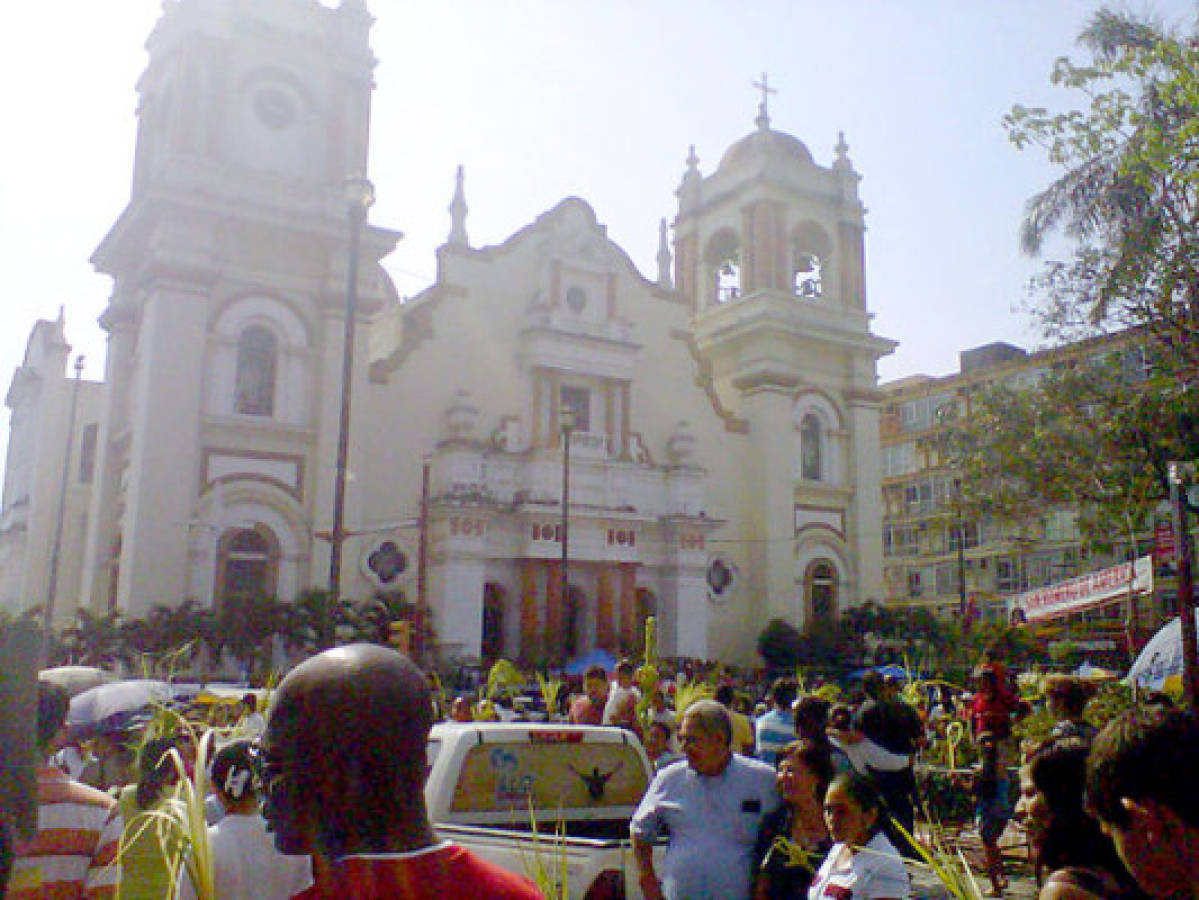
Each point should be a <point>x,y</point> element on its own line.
<point>164,460</point>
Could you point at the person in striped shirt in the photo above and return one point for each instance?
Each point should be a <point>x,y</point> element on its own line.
<point>74,852</point>
<point>776,729</point>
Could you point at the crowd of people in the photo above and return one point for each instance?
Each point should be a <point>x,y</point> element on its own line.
<point>800,799</point>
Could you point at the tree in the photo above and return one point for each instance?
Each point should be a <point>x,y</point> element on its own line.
<point>316,620</point>
<point>779,645</point>
<point>1093,436</point>
<point>1129,196</point>
<point>246,629</point>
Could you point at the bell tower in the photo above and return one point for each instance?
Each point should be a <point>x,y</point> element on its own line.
<point>769,256</point>
<point>224,327</point>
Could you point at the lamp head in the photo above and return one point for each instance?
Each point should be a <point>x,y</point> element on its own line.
<point>359,194</point>
<point>567,418</point>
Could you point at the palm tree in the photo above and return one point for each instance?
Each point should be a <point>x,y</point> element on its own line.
<point>1129,195</point>
<point>94,639</point>
<point>316,620</point>
<point>246,629</point>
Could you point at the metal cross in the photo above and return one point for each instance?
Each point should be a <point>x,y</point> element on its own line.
<point>766,89</point>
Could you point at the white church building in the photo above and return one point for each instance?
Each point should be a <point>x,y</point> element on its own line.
<point>724,448</point>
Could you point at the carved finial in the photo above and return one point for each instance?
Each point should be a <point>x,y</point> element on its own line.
<point>689,190</point>
<point>458,210</point>
<point>763,119</point>
<point>842,163</point>
<point>664,258</point>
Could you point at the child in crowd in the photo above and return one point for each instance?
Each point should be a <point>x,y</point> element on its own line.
<point>992,807</point>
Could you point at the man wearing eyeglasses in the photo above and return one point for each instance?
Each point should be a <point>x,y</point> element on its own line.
<point>711,805</point>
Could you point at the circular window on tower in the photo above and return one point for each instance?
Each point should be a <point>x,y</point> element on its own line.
<point>576,299</point>
<point>275,108</point>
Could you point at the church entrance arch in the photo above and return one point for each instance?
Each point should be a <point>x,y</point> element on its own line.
<point>247,566</point>
<point>574,624</point>
<point>492,647</point>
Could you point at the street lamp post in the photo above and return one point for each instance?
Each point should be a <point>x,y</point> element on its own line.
<point>566,424</point>
<point>1176,473</point>
<point>56,552</point>
<point>360,194</point>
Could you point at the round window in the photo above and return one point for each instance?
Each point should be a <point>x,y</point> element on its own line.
<point>274,108</point>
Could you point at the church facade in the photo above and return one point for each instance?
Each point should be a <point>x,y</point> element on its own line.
<point>720,418</point>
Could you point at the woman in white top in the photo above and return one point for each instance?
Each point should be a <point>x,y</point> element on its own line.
<point>863,864</point>
<point>246,865</point>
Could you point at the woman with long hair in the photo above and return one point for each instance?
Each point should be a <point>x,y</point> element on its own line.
<point>1075,860</point>
<point>863,863</point>
<point>793,840</point>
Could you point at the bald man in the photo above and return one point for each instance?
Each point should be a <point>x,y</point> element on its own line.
<point>344,775</point>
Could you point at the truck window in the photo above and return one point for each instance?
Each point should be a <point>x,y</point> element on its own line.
<point>432,748</point>
<point>499,777</point>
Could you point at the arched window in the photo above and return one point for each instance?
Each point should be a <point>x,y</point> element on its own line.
<point>820,590</point>
<point>811,456</point>
<point>724,259</point>
<point>808,281</point>
<point>247,562</point>
<point>810,249</point>
<point>257,352</point>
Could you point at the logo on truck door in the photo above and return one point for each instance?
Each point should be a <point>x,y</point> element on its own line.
<point>510,785</point>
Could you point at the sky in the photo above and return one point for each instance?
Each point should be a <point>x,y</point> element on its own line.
<point>543,99</point>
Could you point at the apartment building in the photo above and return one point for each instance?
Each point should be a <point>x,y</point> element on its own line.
<point>939,557</point>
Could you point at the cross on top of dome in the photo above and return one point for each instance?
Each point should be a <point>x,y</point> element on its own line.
<point>763,119</point>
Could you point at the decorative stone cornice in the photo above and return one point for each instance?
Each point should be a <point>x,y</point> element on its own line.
<point>704,381</point>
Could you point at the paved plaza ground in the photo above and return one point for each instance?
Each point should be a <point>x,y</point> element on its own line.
<point>1021,884</point>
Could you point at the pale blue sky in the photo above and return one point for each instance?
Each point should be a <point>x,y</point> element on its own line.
<point>541,99</point>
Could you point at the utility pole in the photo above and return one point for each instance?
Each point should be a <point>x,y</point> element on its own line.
<point>960,528</point>
<point>360,194</point>
<point>566,424</point>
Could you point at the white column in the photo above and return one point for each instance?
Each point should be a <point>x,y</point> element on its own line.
<point>770,490</point>
<point>164,458</point>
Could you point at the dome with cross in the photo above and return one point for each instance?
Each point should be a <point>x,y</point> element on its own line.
<point>765,143</point>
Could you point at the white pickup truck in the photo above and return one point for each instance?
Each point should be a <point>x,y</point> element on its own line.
<point>543,797</point>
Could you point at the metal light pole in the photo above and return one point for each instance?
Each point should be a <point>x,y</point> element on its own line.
<point>360,194</point>
<point>52,580</point>
<point>1186,599</point>
<point>960,527</point>
<point>566,424</point>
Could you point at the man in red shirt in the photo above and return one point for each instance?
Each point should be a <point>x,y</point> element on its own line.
<point>344,772</point>
<point>993,706</point>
